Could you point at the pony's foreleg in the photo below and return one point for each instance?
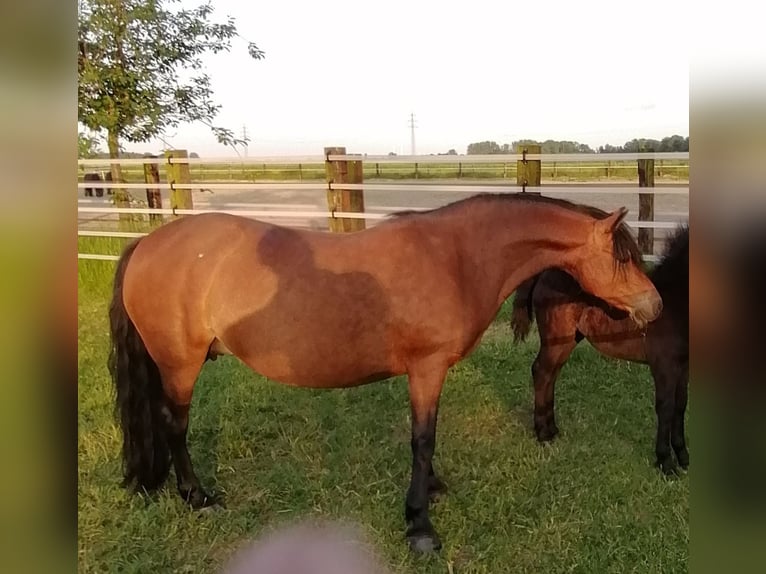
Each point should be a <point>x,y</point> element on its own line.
<point>545,371</point>
<point>677,431</point>
<point>425,385</point>
<point>664,406</point>
<point>178,385</point>
<point>436,486</point>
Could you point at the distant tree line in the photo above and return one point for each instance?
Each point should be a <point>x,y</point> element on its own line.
<point>548,146</point>
<point>670,143</point>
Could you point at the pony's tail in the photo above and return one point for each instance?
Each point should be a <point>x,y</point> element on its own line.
<point>145,451</point>
<point>523,314</point>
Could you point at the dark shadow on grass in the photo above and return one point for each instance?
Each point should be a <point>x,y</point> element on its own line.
<point>302,439</point>
<point>505,367</point>
<point>589,386</point>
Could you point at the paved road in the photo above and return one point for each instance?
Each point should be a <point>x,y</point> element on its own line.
<point>669,208</point>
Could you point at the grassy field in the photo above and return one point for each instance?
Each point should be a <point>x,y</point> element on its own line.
<point>590,502</point>
<point>665,171</point>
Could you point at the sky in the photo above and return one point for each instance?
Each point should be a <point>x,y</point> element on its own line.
<point>345,73</point>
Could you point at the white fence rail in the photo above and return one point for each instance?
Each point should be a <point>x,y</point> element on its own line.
<point>383,159</point>
<point>418,187</point>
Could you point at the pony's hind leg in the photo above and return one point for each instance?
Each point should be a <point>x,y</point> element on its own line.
<point>425,384</point>
<point>178,385</point>
<point>545,371</point>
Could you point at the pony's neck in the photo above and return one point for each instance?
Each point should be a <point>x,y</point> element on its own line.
<point>511,241</point>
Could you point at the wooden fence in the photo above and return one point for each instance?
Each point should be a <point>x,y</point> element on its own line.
<point>344,185</point>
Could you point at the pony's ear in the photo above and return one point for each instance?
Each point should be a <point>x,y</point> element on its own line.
<point>610,223</point>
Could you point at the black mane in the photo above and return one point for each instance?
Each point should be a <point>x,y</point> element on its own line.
<point>625,246</point>
<point>671,279</point>
<point>674,263</point>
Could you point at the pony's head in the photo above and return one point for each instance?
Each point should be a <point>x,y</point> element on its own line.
<point>608,265</point>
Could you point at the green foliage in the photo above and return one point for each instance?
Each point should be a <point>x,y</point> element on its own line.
<point>87,146</point>
<point>484,148</point>
<point>140,68</point>
<point>556,146</point>
<point>674,143</point>
<point>548,146</point>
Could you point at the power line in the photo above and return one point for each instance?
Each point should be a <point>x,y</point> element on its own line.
<point>244,138</point>
<point>412,134</point>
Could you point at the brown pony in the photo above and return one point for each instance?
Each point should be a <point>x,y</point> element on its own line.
<point>412,295</point>
<point>566,314</point>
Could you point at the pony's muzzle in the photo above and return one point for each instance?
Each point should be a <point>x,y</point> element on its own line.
<point>647,307</point>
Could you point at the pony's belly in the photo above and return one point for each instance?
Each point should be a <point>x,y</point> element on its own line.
<point>632,349</point>
<point>312,372</point>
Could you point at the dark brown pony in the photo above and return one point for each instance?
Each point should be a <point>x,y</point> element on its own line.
<point>412,295</point>
<point>566,314</point>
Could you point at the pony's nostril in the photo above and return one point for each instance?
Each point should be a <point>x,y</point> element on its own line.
<point>649,307</point>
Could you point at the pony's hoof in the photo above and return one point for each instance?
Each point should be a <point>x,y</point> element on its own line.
<point>198,499</point>
<point>668,467</point>
<point>424,542</point>
<point>683,459</point>
<point>547,433</point>
<point>211,509</point>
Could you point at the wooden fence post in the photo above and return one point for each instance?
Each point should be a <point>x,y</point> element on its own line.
<point>348,200</point>
<point>646,205</point>
<point>153,194</point>
<point>528,171</point>
<point>179,173</point>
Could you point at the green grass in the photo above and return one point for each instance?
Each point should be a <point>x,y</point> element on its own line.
<point>589,502</point>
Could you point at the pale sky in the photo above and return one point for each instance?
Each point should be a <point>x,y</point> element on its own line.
<point>351,72</point>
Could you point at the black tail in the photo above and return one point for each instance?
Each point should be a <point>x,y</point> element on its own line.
<point>145,452</point>
<point>523,314</point>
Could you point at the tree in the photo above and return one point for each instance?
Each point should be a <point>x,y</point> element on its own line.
<point>140,69</point>
<point>556,146</point>
<point>669,143</point>
<point>87,146</point>
<point>674,143</point>
<point>484,148</point>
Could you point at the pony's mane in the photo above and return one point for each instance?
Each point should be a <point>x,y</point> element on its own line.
<point>625,246</point>
<point>674,261</point>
